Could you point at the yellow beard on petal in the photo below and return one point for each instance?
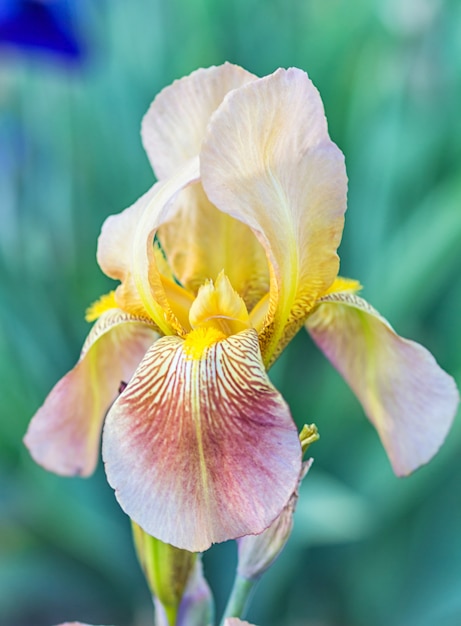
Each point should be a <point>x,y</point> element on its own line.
<point>103,304</point>
<point>199,339</point>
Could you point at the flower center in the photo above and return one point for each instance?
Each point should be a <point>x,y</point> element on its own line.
<point>219,306</point>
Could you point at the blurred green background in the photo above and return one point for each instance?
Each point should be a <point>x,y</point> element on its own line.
<point>368,548</point>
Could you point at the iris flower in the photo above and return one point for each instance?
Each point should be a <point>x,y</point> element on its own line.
<point>220,264</point>
<point>37,25</point>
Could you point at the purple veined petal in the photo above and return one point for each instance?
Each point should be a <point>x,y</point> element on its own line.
<point>409,399</point>
<point>64,434</point>
<point>235,621</point>
<point>201,450</point>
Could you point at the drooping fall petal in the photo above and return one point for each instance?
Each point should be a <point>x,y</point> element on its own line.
<point>410,400</point>
<point>268,161</point>
<point>64,434</point>
<point>202,448</point>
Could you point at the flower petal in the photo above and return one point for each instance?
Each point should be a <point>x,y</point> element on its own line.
<point>410,400</point>
<point>115,251</point>
<point>256,553</point>
<point>126,250</point>
<point>147,278</point>
<point>200,242</point>
<point>63,436</point>
<point>174,126</point>
<point>268,161</point>
<point>201,450</point>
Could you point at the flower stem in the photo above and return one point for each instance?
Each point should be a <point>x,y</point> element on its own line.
<point>239,598</point>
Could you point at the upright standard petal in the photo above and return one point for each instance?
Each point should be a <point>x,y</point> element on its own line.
<point>146,275</point>
<point>268,161</point>
<point>410,400</point>
<point>201,448</point>
<point>201,241</point>
<point>174,126</point>
<point>126,249</point>
<point>114,252</point>
<point>64,434</point>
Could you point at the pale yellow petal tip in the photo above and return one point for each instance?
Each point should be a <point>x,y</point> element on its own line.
<point>100,306</point>
<point>308,435</point>
<point>199,339</point>
<point>343,285</point>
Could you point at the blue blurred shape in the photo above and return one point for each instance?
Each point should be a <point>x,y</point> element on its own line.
<point>33,25</point>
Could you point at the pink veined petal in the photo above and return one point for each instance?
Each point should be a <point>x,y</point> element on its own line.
<point>202,450</point>
<point>174,126</point>
<point>410,400</point>
<point>64,434</point>
<point>235,621</point>
<point>268,161</point>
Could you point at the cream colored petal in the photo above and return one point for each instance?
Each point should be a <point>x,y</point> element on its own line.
<point>126,251</point>
<point>410,400</point>
<point>268,161</point>
<point>201,450</point>
<point>115,251</point>
<point>147,279</point>
<point>201,241</point>
<point>174,126</point>
<point>64,434</point>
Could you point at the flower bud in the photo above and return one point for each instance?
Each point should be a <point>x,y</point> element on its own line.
<point>256,553</point>
<point>167,570</point>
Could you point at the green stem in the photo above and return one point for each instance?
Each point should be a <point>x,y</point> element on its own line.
<point>239,598</point>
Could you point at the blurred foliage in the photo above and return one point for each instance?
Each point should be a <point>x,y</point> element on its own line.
<point>367,548</point>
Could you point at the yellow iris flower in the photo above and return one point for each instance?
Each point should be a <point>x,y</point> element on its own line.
<point>220,264</point>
